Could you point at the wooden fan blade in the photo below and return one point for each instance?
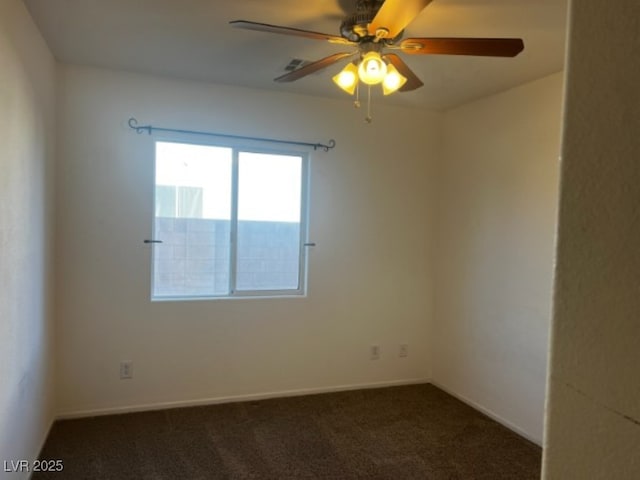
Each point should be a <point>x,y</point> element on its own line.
<point>265,27</point>
<point>484,47</point>
<point>413,82</point>
<point>313,67</point>
<point>395,15</point>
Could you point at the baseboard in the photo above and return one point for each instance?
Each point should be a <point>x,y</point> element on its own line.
<point>489,413</point>
<point>235,398</point>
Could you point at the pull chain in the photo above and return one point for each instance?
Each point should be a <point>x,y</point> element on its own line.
<point>357,104</point>
<point>368,118</point>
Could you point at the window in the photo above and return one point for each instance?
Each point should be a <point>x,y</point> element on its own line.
<point>182,202</point>
<point>231,222</point>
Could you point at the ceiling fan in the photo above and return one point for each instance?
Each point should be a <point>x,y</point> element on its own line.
<point>375,27</point>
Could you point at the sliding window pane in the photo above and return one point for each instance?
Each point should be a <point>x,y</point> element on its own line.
<point>192,220</point>
<point>269,203</point>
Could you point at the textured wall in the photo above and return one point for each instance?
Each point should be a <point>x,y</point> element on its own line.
<point>593,423</point>
<point>368,277</point>
<point>497,194</point>
<point>27,98</point>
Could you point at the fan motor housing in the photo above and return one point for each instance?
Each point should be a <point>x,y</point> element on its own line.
<point>354,26</point>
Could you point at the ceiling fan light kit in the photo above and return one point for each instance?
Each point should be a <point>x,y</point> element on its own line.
<point>372,69</point>
<point>347,79</point>
<point>375,26</point>
<point>393,80</point>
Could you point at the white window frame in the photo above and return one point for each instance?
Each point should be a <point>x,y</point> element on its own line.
<point>233,293</point>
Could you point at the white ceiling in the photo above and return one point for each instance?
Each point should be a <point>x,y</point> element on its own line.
<point>192,39</point>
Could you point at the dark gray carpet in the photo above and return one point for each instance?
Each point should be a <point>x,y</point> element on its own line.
<point>400,433</point>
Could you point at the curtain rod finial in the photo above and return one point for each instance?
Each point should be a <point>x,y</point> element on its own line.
<point>133,124</point>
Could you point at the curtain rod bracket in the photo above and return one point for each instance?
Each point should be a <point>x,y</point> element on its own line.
<point>149,129</point>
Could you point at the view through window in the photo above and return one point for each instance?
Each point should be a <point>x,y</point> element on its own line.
<point>230,222</point>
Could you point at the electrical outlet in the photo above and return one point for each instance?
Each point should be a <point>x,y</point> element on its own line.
<point>403,351</point>
<point>375,352</point>
<point>126,370</point>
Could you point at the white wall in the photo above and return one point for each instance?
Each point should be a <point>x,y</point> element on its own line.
<point>497,193</point>
<point>369,275</point>
<point>593,424</point>
<point>27,99</point>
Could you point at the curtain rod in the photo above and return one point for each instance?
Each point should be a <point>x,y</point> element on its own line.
<point>133,124</point>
